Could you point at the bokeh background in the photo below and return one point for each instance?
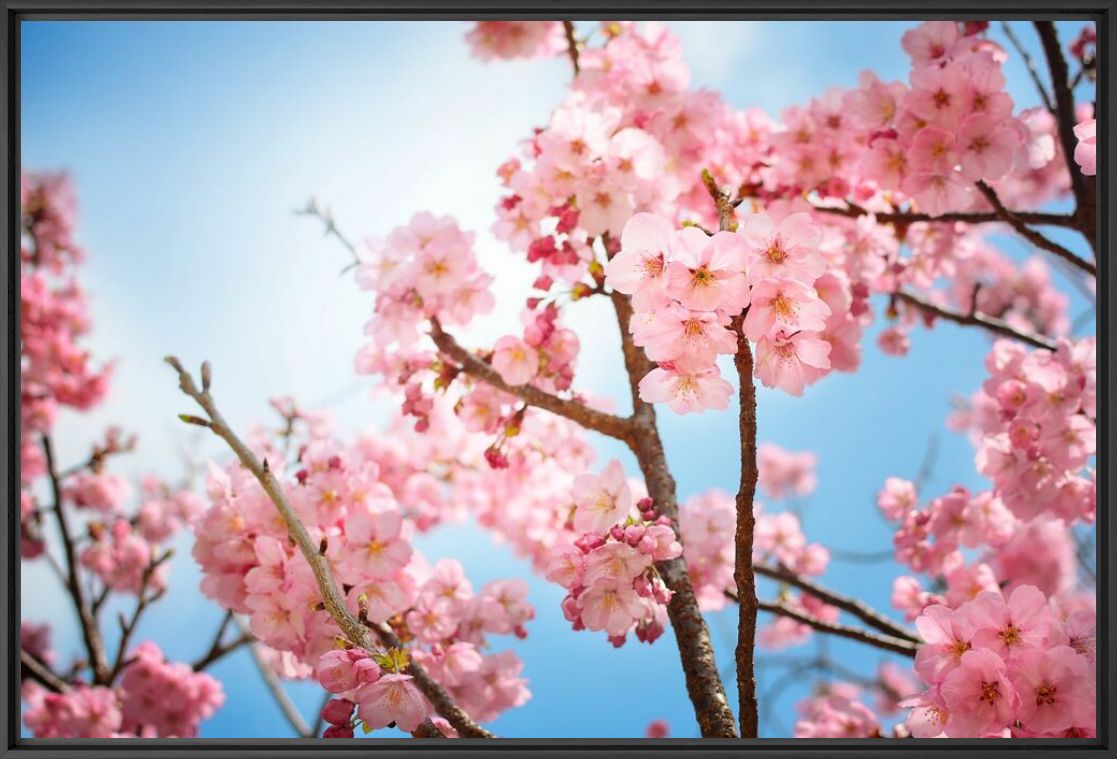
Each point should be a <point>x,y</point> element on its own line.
<point>193,143</point>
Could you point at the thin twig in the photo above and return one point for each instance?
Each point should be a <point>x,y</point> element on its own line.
<point>885,642</point>
<point>592,419</point>
<point>41,673</point>
<point>854,606</point>
<point>218,649</point>
<point>331,230</point>
<point>853,210</point>
<point>128,625</point>
<point>90,632</point>
<point>1033,236</point>
<point>994,325</point>
<point>275,687</point>
<point>1030,64</point>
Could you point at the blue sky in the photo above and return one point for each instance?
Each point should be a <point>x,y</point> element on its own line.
<point>192,143</point>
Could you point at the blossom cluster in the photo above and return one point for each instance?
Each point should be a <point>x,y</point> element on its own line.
<point>609,570</point>
<point>336,491</point>
<point>153,699</point>
<point>1005,666</point>
<point>687,287</point>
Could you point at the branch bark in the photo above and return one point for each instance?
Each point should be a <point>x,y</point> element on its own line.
<point>743,576</point>
<point>854,606</point>
<point>1085,210</point>
<point>1032,236</point>
<point>977,319</point>
<point>696,652</point>
<point>90,632</point>
<point>571,45</point>
<point>332,599</point>
<point>852,210</point>
<point>592,419</point>
<point>41,673</point>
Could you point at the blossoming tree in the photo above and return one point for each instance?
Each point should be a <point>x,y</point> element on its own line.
<point>724,241</point>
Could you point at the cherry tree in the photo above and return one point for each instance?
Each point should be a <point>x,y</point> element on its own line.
<point>728,244</point>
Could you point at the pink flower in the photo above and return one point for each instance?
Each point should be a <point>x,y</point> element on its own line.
<point>979,695</point>
<point>783,473</point>
<point>615,563</point>
<point>786,250</point>
<point>515,361</point>
<point>612,609</point>
<point>1024,621</point>
<point>688,339</point>
<point>791,363</point>
<point>1085,154</point>
<point>601,500</point>
<point>376,548</point>
<point>686,392</point>
<point>987,148</point>
<point>640,268</point>
<point>897,498</point>
<point>1054,687</point>
<point>392,698</point>
<point>784,305</point>
<point>707,273</point>
<point>947,635</point>
<point>931,41</point>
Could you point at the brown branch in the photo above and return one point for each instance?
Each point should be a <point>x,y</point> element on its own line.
<point>571,45</point>
<point>696,652</point>
<point>332,599</point>
<point>41,673</point>
<point>1030,64</point>
<point>1032,236</point>
<point>128,626</point>
<point>219,650</point>
<point>885,642</point>
<point>853,210</point>
<point>1085,203</point>
<point>592,419</point>
<point>977,319</point>
<point>743,576</point>
<point>854,606</point>
<point>275,687</point>
<point>90,632</point>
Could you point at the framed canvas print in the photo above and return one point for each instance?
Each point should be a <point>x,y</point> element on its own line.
<point>701,378</point>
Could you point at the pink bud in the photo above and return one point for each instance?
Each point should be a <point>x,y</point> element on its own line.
<point>338,711</point>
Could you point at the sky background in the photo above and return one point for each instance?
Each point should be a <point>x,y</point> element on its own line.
<point>192,144</point>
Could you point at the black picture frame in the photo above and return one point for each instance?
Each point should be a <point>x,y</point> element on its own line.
<point>16,11</point>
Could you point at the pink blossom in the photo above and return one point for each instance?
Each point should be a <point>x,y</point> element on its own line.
<point>392,698</point>
<point>601,500</point>
<point>1085,154</point>
<point>981,697</point>
<point>707,273</point>
<point>686,392</point>
<point>515,361</point>
<point>784,305</point>
<point>791,363</point>
<point>1054,686</point>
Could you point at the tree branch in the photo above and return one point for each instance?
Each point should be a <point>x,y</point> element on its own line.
<point>592,419</point>
<point>1030,64</point>
<point>885,642</point>
<point>128,626</point>
<point>743,575</point>
<point>1085,203</point>
<point>217,649</point>
<point>275,686</point>
<point>332,599</point>
<point>696,652</point>
<point>41,673</point>
<point>853,210</point>
<point>90,632</point>
<point>1031,235</point>
<point>977,319</point>
<point>571,45</point>
<point>854,606</point>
